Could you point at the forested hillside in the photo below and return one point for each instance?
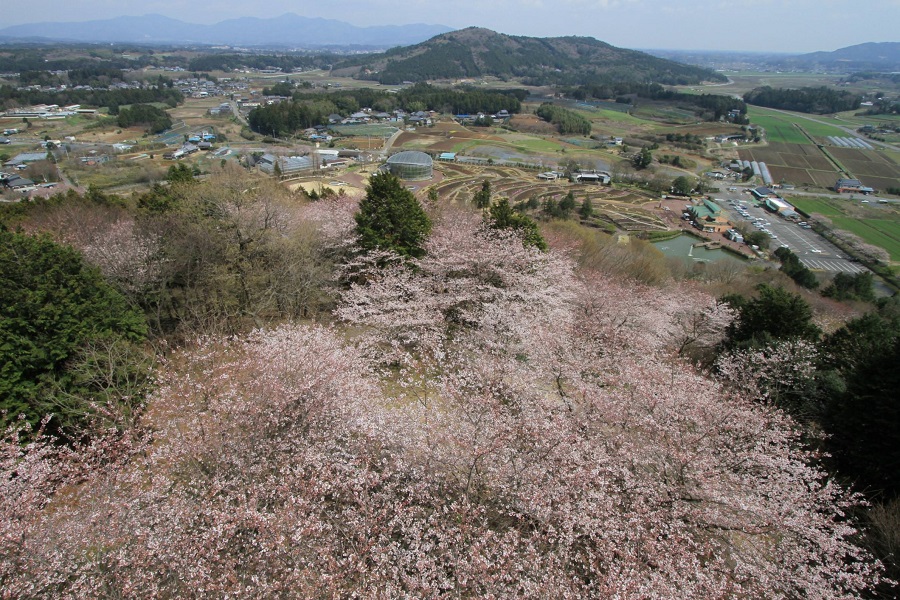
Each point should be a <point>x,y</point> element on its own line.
<point>476,52</point>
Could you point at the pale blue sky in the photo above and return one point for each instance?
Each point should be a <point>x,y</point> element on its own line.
<point>763,25</point>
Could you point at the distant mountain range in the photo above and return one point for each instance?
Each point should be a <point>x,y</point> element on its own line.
<point>878,56</point>
<point>288,30</point>
<point>477,52</point>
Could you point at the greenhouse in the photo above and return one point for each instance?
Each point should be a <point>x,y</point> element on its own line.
<point>411,166</point>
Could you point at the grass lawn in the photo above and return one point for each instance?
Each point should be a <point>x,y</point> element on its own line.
<point>465,145</point>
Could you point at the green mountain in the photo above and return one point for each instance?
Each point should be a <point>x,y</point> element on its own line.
<point>478,52</point>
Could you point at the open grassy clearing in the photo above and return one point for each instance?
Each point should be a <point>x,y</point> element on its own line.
<point>602,114</point>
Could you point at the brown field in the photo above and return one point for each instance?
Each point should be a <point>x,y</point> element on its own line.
<point>881,183</point>
<point>873,168</point>
<point>443,137</point>
<point>819,163</point>
<point>843,154</point>
<point>794,163</point>
<point>531,124</point>
<point>793,175</point>
<point>862,167</point>
<point>795,160</point>
<point>824,178</point>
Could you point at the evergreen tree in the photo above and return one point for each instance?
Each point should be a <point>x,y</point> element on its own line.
<point>567,205</point>
<point>482,198</point>
<point>390,218</point>
<point>502,216</point>
<point>775,314</point>
<point>52,305</point>
<point>642,159</point>
<point>587,209</point>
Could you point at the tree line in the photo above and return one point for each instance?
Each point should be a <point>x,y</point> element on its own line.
<point>286,62</point>
<point>566,121</point>
<point>156,119</point>
<point>711,107</point>
<point>817,100</point>
<point>10,96</point>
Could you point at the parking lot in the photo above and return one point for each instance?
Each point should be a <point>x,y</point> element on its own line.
<point>813,250</point>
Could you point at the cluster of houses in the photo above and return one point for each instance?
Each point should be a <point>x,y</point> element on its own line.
<point>200,87</point>
<point>320,159</point>
<point>16,183</point>
<point>501,115</point>
<point>367,115</point>
<point>195,143</point>
<point>598,177</point>
<point>47,111</point>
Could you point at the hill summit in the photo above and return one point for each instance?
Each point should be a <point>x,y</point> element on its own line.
<point>478,52</point>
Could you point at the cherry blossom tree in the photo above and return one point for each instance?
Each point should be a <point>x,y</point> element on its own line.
<point>486,423</point>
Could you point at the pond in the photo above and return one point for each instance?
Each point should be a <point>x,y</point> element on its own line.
<point>689,248</point>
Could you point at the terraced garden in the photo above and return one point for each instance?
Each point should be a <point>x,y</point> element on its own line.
<point>625,209</point>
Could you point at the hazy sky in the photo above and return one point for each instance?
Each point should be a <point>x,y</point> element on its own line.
<point>763,25</point>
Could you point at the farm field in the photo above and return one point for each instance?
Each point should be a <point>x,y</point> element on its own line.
<point>885,234</point>
<point>799,164</point>
<point>874,168</point>
<point>816,205</point>
<point>779,128</point>
<point>879,226</point>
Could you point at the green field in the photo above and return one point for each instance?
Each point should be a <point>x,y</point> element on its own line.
<point>817,129</point>
<point>613,115</point>
<point>778,128</point>
<point>885,234</point>
<point>816,205</point>
<point>536,145</point>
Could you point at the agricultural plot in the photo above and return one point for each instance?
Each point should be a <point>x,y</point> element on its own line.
<point>779,130</point>
<point>882,233</point>
<point>798,164</point>
<point>873,168</point>
<point>365,130</point>
<point>816,206</point>
<point>782,127</point>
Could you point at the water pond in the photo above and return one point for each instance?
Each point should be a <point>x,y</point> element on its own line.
<point>690,249</point>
